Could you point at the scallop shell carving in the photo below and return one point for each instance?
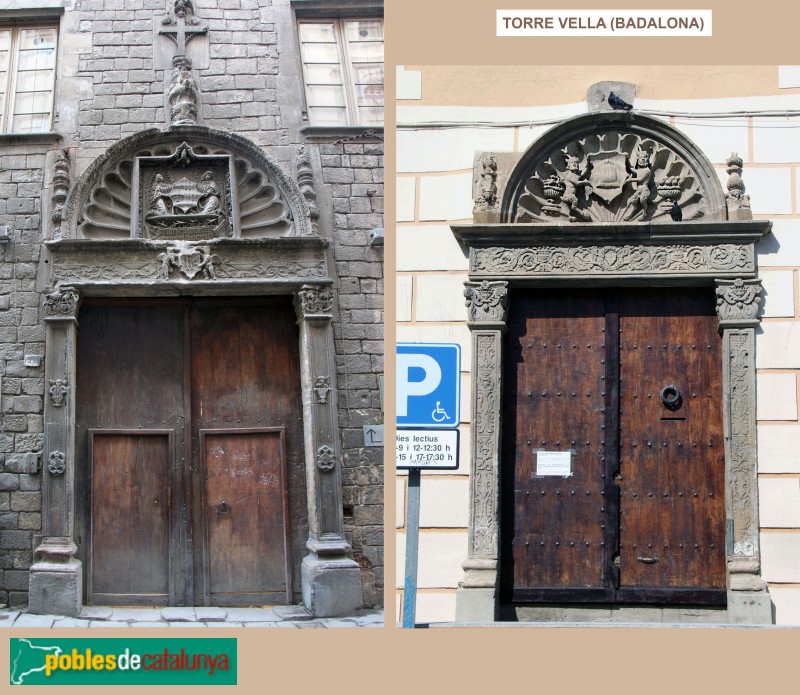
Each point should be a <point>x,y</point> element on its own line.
<point>263,211</point>
<point>611,177</point>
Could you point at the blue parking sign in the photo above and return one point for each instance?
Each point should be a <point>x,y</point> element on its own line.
<point>428,385</point>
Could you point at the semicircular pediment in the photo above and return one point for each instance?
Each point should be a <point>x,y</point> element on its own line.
<point>187,183</point>
<point>613,168</point>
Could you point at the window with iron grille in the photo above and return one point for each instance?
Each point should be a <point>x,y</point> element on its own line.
<point>27,78</point>
<point>343,71</point>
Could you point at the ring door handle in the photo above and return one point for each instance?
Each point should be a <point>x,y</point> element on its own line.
<point>223,508</point>
<point>671,397</point>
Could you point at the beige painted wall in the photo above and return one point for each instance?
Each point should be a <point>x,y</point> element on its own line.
<point>434,190</point>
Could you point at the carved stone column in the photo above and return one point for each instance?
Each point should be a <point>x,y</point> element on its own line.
<point>476,597</point>
<point>331,578</point>
<point>56,578</point>
<point>737,307</point>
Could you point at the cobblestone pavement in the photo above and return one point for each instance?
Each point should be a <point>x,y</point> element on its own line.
<point>183,617</point>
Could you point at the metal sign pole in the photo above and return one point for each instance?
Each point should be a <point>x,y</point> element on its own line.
<point>412,549</point>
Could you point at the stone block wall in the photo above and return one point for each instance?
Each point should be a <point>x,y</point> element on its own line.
<point>22,388</point>
<point>107,88</point>
<point>434,189</point>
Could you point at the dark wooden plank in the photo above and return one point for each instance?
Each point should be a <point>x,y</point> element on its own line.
<point>130,519</point>
<point>553,534</point>
<point>672,462</point>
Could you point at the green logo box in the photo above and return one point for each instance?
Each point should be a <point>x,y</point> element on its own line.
<point>122,661</point>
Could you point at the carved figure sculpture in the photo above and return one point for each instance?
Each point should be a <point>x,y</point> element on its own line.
<point>183,93</point>
<point>573,182</point>
<point>209,201</point>
<point>487,195</point>
<point>160,202</point>
<point>642,173</point>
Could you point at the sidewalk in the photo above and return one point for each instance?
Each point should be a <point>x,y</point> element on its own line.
<point>182,617</point>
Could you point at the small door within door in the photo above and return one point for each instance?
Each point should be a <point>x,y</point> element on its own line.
<point>613,460</point>
<point>188,413</point>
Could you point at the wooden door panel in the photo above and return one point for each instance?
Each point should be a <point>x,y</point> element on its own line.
<point>245,378</point>
<point>130,517</point>
<point>130,378</point>
<point>672,462</point>
<point>554,401</point>
<point>647,480</point>
<point>246,515</point>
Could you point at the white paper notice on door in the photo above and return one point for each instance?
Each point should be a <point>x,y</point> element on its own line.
<point>554,463</point>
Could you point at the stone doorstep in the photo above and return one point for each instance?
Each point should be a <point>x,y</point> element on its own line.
<point>188,617</point>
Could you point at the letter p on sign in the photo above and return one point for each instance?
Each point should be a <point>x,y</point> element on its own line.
<point>428,385</point>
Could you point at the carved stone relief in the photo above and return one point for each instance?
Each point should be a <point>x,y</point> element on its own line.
<point>189,260</point>
<point>305,179</point>
<point>737,200</point>
<point>59,388</point>
<point>185,196</point>
<point>148,262</point>
<point>612,176</point>
<point>486,199</point>
<point>322,387</point>
<point>314,299</point>
<point>675,258</point>
<point>181,32</point>
<point>326,459</point>
<point>183,94</point>
<point>485,480</point>
<point>487,301</point>
<point>738,301</point>
<point>192,189</point>
<point>60,189</point>
<point>57,463</point>
<point>62,303</point>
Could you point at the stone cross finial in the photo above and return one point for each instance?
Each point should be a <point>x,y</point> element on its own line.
<point>182,27</point>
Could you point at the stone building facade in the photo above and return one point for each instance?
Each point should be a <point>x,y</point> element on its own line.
<point>174,161</point>
<point>501,196</point>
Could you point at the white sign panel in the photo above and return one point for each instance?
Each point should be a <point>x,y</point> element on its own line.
<point>373,435</point>
<point>428,449</point>
<point>554,463</point>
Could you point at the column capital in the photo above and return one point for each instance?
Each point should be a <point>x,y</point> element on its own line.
<point>738,302</point>
<point>487,302</point>
<point>314,302</point>
<point>62,304</point>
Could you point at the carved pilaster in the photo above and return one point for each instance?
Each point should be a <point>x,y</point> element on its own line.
<point>305,179</point>
<point>487,303</point>
<point>738,303</point>
<point>56,576</point>
<point>331,578</point>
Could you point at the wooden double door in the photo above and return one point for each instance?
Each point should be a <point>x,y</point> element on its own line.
<point>613,455</point>
<point>188,422</point>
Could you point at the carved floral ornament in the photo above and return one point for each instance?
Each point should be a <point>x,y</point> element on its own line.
<point>611,176</point>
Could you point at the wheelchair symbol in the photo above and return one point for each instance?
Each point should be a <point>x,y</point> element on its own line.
<point>439,414</point>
